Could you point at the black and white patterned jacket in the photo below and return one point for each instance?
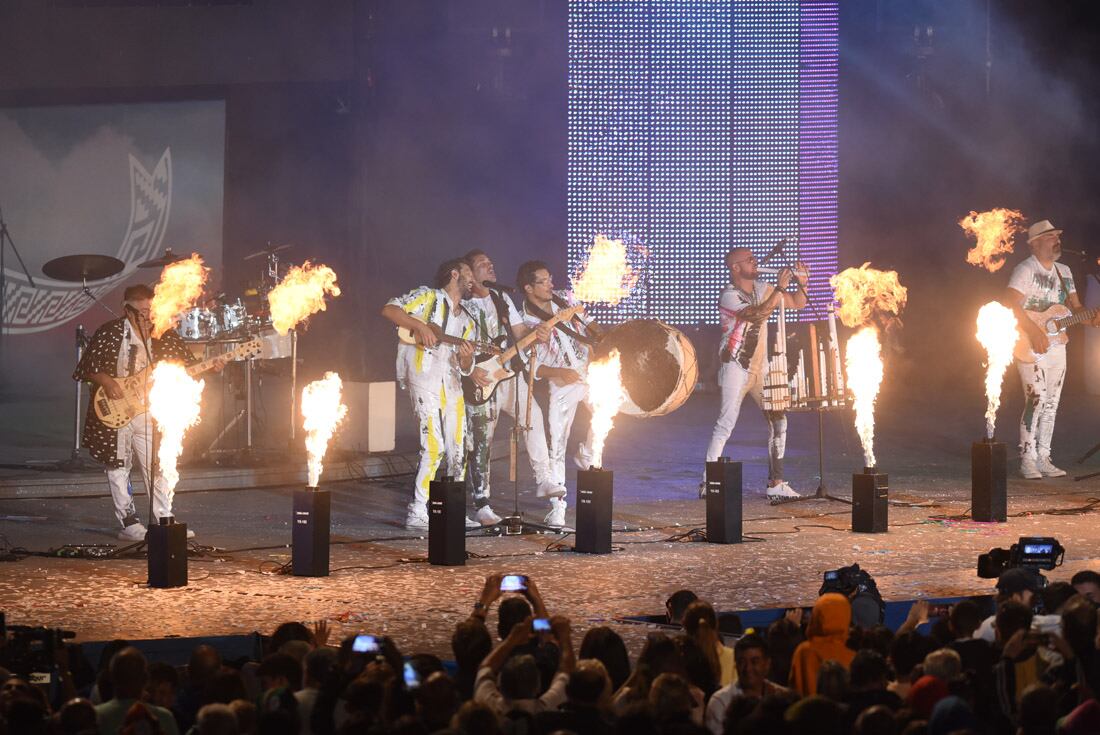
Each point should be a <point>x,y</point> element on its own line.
<point>101,356</point>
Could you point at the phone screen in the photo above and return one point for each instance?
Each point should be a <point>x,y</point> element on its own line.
<point>540,625</point>
<point>412,679</point>
<point>366,644</point>
<point>513,583</point>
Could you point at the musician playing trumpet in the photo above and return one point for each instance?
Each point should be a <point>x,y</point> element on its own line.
<point>431,369</point>
<point>743,311</point>
<point>1039,284</point>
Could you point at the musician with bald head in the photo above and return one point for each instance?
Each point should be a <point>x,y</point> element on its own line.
<point>1039,291</point>
<point>743,311</point>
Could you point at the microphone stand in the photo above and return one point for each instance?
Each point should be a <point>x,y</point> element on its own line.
<point>5,238</point>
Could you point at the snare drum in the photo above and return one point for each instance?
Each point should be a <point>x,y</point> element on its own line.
<point>232,318</point>
<point>198,325</point>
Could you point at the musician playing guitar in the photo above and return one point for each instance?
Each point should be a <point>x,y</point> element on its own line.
<point>563,360</point>
<point>431,369</point>
<point>1040,284</point>
<point>121,348</point>
<point>497,318</point>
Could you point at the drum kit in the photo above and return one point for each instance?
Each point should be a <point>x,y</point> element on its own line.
<point>212,329</point>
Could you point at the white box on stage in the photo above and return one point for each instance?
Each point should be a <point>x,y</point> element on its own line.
<point>371,425</point>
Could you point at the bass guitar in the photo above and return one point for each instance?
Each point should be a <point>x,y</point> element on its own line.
<point>117,412</point>
<point>1053,321</point>
<point>407,336</point>
<point>497,365</point>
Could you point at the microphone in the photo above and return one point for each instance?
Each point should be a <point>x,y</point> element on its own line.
<point>494,286</point>
<point>777,249</point>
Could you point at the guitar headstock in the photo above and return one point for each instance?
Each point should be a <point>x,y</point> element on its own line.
<point>252,348</point>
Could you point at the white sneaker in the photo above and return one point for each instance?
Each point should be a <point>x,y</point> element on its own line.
<point>486,517</point>
<point>550,489</point>
<point>416,519</point>
<point>1048,469</point>
<point>190,533</point>
<point>1029,469</point>
<point>133,532</point>
<point>702,488</point>
<point>782,490</point>
<point>471,523</point>
<point>582,459</point>
<point>556,517</point>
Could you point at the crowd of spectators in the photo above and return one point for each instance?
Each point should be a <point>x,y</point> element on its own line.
<point>1031,667</point>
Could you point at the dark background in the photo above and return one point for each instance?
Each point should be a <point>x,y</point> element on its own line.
<point>383,137</point>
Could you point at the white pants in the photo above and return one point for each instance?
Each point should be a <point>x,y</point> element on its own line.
<point>482,426</point>
<point>135,441</point>
<point>1042,382</point>
<point>564,400</point>
<point>736,383</point>
<point>441,411</point>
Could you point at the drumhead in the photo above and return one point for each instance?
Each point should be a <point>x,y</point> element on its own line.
<point>659,367</point>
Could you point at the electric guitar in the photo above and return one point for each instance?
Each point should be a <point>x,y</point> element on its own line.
<point>117,412</point>
<point>407,336</point>
<point>497,365</point>
<point>1054,322</point>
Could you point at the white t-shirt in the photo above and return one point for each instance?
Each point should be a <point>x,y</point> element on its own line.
<point>562,350</point>
<point>743,341</point>
<point>484,313</point>
<point>1041,287</point>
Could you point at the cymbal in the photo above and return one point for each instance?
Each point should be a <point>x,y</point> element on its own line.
<point>269,250</point>
<point>86,267</point>
<point>167,259</point>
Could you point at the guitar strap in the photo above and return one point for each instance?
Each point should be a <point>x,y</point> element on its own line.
<point>518,363</point>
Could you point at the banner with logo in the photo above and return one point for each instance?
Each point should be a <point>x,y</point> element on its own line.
<point>124,180</point>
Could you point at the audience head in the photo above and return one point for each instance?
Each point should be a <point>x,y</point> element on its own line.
<point>868,671</point>
<point>1021,584</point>
<point>519,678</point>
<point>128,673</point>
<point>474,718</point>
<point>943,663</point>
<point>589,685</point>
<point>1055,595</point>
<point>317,665</point>
<point>877,720</point>
<point>1038,711</point>
<point>750,657</point>
<point>660,655</point>
<point>816,715</point>
<point>832,616</point>
<point>1012,616</point>
<point>965,618</point>
<point>607,647</point>
<point>1079,618</point>
<point>670,698</point>
<point>436,700</point>
<point>225,687</point>
<point>908,650</point>
<point>1087,583</point>
<point>697,615</point>
<point>470,643</point>
<point>216,719</point>
<point>280,671</point>
<point>677,604</point>
<point>77,717</point>
<point>161,685</point>
<point>511,612</point>
<point>832,680</point>
<point>204,663</point>
<point>951,714</point>
<point>699,667</point>
<point>925,693</point>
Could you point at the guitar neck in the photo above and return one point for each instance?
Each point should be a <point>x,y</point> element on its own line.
<point>1078,318</point>
<point>532,335</point>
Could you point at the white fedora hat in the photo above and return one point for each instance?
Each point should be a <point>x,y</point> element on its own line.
<point>1040,228</point>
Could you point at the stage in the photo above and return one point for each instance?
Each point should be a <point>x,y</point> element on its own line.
<point>382,583</point>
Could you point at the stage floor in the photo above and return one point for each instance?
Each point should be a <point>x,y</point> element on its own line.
<point>381,582</point>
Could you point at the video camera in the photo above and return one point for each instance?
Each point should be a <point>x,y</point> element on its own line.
<point>29,650</point>
<point>858,586</point>
<point>1034,552</point>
